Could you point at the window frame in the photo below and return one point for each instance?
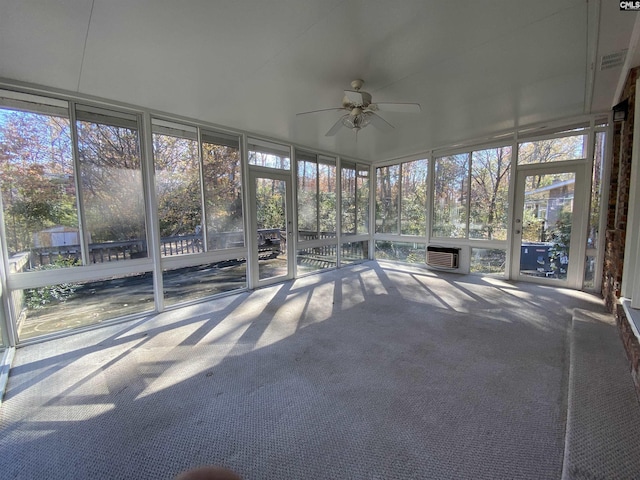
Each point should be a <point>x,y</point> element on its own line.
<point>207,255</point>
<point>316,159</point>
<point>466,205</point>
<point>467,239</point>
<point>41,101</point>
<point>86,271</point>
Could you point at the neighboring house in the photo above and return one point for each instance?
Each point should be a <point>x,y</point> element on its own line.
<point>58,236</point>
<point>547,202</point>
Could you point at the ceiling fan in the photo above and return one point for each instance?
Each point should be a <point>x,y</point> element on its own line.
<point>362,112</point>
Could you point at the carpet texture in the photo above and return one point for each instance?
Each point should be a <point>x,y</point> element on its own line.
<point>603,419</point>
<point>375,371</point>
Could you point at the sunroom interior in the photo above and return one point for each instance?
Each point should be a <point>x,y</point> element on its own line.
<point>155,159</point>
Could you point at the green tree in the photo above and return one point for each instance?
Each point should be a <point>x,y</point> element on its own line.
<point>490,172</point>
<point>270,204</point>
<point>177,185</point>
<point>450,196</point>
<point>36,175</point>
<point>221,172</point>
<point>111,181</point>
<point>414,198</point>
<point>349,197</point>
<point>553,150</point>
<point>388,199</point>
<point>560,237</point>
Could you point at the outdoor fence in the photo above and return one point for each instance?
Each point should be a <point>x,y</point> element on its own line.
<point>269,240</point>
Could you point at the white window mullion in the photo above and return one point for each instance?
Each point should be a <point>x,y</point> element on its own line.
<point>317,197</point>
<point>431,168</point>
<point>84,236</point>
<point>470,178</point>
<point>153,224</point>
<point>511,195</point>
<point>373,182</point>
<point>338,208</point>
<point>399,212</point>
<point>203,202</point>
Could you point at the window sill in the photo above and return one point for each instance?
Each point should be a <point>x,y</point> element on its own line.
<point>633,315</point>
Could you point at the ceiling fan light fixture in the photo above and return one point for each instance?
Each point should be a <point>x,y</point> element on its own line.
<point>355,122</point>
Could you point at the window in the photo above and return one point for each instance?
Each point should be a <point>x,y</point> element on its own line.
<point>307,196</point>
<point>553,150</point>
<point>450,196</point>
<point>222,173</point>
<point>190,283</point>
<point>61,212</point>
<point>38,186</point>
<point>400,251</point>
<point>355,198</point>
<point>316,196</point>
<point>599,154</point>
<point>313,259</point>
<point>401,195</point>
<point>267,154</point>
<point>327,207</point>
<point>111,183</point>
<point>178,188</point>
<point>488,209</point>
<point>596,185</point>
<point>488,261</point>
<point>349,219</point>
<point>471,195</point>
<point>387,199</point>
<point>354,252</point>
<point>69,305</point>
<point>189,190</point>
<point>413,201</point>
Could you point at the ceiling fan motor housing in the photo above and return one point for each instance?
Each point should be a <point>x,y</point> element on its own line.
<point>356,99</point>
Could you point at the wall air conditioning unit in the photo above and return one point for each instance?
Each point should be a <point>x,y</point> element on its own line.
<point>443,257</point>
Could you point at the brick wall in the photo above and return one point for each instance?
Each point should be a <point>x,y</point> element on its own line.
<point>617,209</point>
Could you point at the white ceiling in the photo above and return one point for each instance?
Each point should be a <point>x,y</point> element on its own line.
<point>476,67</point>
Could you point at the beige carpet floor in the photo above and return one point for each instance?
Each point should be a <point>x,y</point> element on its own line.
<point>375,371</point>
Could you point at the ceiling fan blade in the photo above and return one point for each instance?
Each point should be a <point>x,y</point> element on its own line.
<point>379,122</point>
<point>322,110</point>
<point>354,97</point>
<point>336,126</point>
<point>398,107</point>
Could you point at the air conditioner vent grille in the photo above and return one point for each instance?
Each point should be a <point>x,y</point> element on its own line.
<point>613,60</point>
<point>442,257</point>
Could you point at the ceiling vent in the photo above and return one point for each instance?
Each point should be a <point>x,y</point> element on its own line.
<point>613,60</point>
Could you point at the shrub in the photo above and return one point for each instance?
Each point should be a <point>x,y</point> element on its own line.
<point>40,297</point>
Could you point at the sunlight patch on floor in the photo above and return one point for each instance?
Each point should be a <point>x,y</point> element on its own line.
<point>449,296</point>
<point>351,295</point>
<point>284,322</point>
<point>372,284</point>
<point>71,413</point>
<point>498,282</point>
<point>185,362</point>
<point>318,299</point>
